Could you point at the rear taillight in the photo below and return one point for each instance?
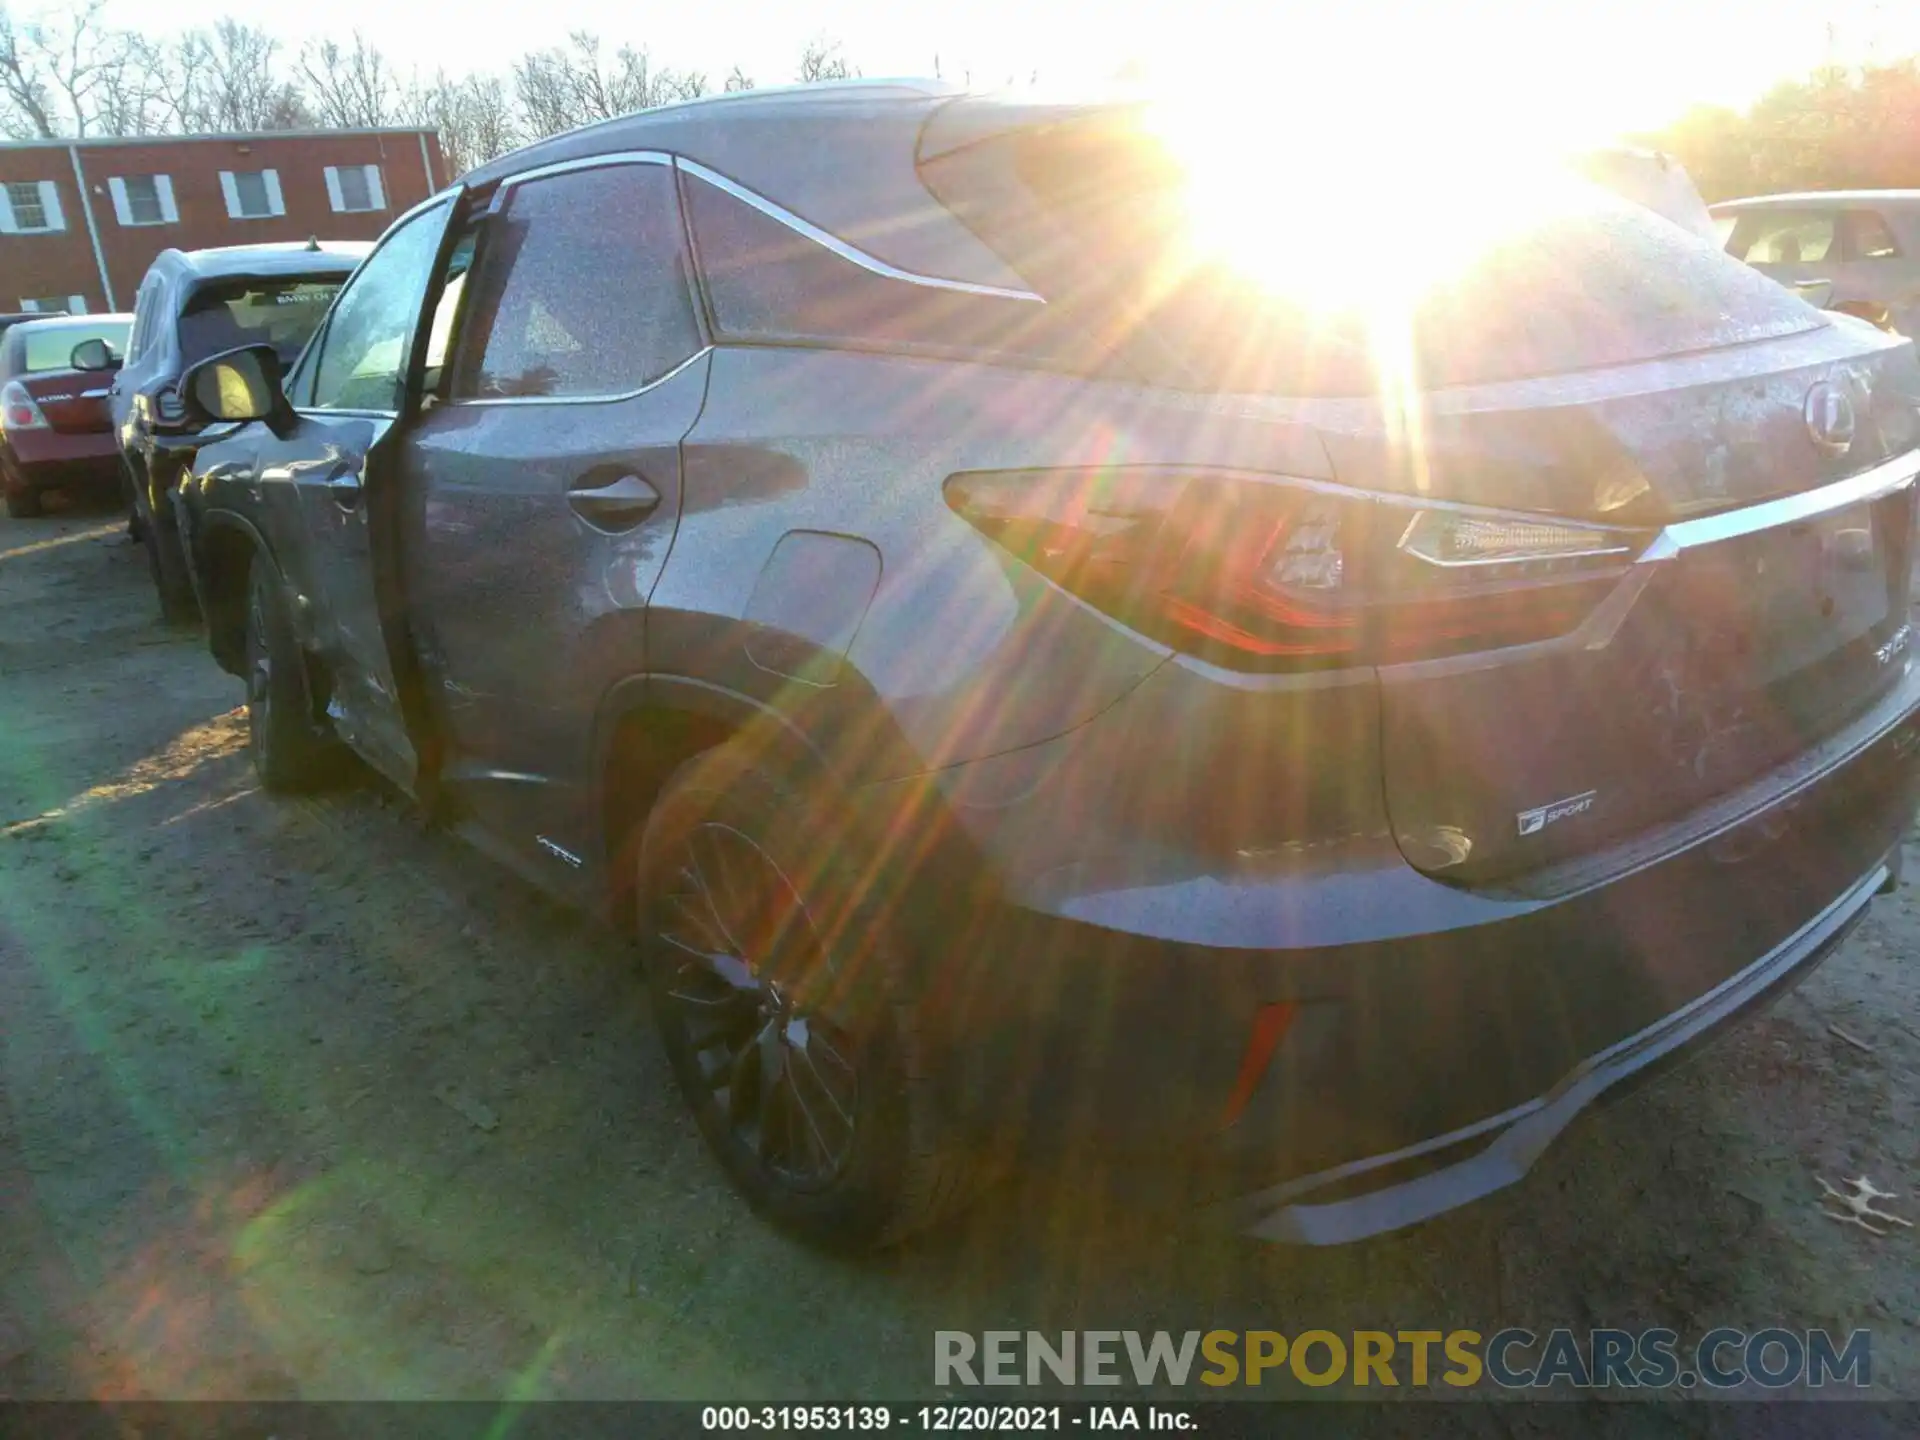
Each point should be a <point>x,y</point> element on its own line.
<point>18,409</point>
<point>1262,573</point>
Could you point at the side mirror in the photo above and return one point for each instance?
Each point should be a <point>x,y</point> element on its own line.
<point>94,354</point>
<point>241,384</point>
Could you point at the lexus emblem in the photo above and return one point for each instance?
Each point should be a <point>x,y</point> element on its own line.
<point>1829,416</point>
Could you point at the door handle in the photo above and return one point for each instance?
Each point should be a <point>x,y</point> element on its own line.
<point>618,504</point>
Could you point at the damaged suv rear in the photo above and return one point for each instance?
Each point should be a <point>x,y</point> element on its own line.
<point>1038,670</point>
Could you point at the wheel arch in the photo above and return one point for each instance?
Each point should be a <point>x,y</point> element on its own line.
<point>647,727</point>
<point>225,549</point>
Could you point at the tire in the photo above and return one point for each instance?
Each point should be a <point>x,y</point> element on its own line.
<point>22,503</point>
<point>730,850</point>
<point>167,565</point>
<point>290,752</point>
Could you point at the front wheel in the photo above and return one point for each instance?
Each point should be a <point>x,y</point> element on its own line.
<point>289,751</point>
<point>774,997</point>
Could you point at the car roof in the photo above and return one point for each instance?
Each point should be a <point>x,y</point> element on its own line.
<point>1888,199</point>
<point>303,258</point>
<point>68,322</point>
<point>842,155</point>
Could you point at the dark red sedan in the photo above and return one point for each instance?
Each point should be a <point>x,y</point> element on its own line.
<point>55,428</point>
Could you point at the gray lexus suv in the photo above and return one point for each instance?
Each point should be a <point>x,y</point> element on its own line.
<point>1030,690</point>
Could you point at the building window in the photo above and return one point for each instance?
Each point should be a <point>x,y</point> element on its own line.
<point>30,207</point>
<point>143,200</point>
<point>252,194</point>
<point>353,188</point>
<point>54,304</point>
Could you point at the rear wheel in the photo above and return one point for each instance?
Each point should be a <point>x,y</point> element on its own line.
<point>22,503</point>
<point>775,1000</point>
<point>289,751</point>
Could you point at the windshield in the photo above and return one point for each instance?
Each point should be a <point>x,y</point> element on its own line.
<point>1259,280</point>
<point>52,349</point>
<point>280,313</point>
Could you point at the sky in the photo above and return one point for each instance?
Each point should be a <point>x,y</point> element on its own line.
<point>1579,71</point>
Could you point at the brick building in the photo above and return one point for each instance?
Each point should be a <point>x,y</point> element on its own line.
<point>81,220</point>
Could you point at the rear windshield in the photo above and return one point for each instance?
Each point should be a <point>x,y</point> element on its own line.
<point>280,313</point>
<point>53,349</point>
<point>1103,223</point>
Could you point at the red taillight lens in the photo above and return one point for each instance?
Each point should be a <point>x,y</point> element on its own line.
<point>18,411</point>
<point>1262,573</point>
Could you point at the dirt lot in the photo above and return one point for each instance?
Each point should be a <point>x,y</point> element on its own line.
<point>244,1044</point>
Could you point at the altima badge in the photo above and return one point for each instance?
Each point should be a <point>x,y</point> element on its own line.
<point>1532,822</point>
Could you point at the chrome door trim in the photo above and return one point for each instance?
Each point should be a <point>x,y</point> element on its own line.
<point>588,162</point>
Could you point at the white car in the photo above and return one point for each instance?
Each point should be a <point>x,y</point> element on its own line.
<point>1856,251</point>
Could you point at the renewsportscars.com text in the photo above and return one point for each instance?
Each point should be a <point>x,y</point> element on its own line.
<point>1513,1358</point>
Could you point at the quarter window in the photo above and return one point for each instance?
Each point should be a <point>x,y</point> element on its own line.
<point>1785,237</point>
<point>581,288</point>
<point>1871,237</point>
<point>369,333</point>
<point>766,280</point>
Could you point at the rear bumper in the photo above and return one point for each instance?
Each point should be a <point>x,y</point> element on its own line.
<point>37,458</point>
<point>1513,1141</point>
<point>1421,1022</point>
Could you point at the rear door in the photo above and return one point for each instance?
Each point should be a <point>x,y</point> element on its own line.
<point>544,487</point>
<point>336,467</point>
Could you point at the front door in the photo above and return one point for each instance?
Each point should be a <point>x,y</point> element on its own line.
<point>338,461</point>
<point>546,487</point>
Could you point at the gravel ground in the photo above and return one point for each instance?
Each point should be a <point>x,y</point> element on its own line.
<point>304,1099</point>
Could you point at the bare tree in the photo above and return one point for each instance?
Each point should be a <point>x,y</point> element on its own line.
<point>245,90</point>
<point>350,86</point>
<point>474,116</point>
<point>822,60</point>
<point>564,87</point>
<point>29,105</point>
<point>220,80</point>
<point>737,80</point>
<point>54,76</point>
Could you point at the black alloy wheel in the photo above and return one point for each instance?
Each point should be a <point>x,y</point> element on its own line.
<point>781,1079</point>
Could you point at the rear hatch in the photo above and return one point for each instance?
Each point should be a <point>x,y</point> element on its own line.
<point>1593,363</point>
<point>1752,627</point>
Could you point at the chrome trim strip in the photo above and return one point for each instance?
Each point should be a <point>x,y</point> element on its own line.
<point>588,162</point>
<point>1882,480</point>
<point>487,400</point>
<point>559,852</point>
<point>840,247</point>
<point>1533,1125</point>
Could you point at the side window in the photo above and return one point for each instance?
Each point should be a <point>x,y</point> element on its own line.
<point>581,289</point>
<point>1785,237</point>
<point>362,355</point>
<point>766,280</point>
<point>1869,237</point>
